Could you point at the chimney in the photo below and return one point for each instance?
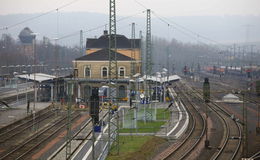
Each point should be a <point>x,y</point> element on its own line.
<point>105,32</point>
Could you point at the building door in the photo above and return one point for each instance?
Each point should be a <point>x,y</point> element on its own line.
<point>122,91</point>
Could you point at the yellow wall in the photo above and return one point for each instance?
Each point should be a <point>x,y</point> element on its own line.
<point>126,52</point>
<point>96,67</point>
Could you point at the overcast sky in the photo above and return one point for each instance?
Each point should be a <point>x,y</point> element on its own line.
<point>128,7</point>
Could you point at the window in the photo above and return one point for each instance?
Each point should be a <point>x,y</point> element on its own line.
<point>87,71</point>
<point>121,71</point>
<point>104,72</point>
<point>122,92</point>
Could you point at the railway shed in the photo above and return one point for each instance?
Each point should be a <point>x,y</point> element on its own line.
<point>230,98</point>
<point>44,83</point>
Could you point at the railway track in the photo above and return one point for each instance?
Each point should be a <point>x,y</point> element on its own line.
<point>24,149</point>
<point>23,121</point>
<point>234,88</point>
<point>256,156</point>
<point>193,135</point>
<point>87,126</point>
<point>11,101</point>
<point>229,148</point>
<point>14,132</point>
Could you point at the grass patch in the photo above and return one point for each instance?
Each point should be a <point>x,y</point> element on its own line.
<point>148,127</point>
<point>136,147</point>
<point>162,114</point>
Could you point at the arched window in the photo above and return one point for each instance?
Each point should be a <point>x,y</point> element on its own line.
<point>121,71</point>
<point>87,71</point>
<point>104,72</point>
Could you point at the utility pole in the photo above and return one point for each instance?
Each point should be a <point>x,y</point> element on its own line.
<point>258,120</point>
<point>113,135</point>
<point>239,57</point>
<point>168,63</point>
<point>68,136</point>
<point>141,52</point>
<point>243,52</point>
<point>34,82</point>
<point>244,128</point>
<point>234,55</point>
<point>81,43</point>
<point>148,68</point>
<point>133,63</point>
<point>133,67</point>
<point>148,62</point>
<point>56,69</point>
<point>206,97</point>
<point>251,55</point>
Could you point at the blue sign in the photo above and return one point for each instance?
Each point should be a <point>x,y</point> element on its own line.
<point>145,100</point>
<point>97,128</point>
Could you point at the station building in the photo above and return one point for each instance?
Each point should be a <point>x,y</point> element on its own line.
<point>94,65</point>
<point>92,69</point>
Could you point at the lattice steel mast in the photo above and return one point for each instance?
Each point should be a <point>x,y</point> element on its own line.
<point>141,53</point>
<point>113,76</point>
<point>148,67</point>
<point>133,61</point>
<point>148,64</point>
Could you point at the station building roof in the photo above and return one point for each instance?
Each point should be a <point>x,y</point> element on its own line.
<point>163,79</point>
<point>39,77</point>
<point>102,55</point>
<point>103,41</point>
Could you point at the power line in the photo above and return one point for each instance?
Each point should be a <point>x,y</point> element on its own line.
<point>141,4</point>
<point>172,23</point>
<point>101,26</point>
<point>38,16</point>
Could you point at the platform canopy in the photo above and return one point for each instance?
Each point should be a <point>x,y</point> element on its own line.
<point>163,79</point>
<point>39,77</point>
<point>231,98</point>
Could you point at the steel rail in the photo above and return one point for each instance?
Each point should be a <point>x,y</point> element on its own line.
<point>189,136</point>
<point>226,124</point>
<point>34,137</point>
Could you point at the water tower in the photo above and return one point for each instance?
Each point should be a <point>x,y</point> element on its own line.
<point>26,37</point>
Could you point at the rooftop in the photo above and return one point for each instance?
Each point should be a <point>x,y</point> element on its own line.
<point>103,55</point>
<point>40,77</point>
<point>103,41</point>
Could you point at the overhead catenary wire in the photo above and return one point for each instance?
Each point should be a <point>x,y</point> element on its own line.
<point>75,33</point>
<point>181,28</point>
<point>38,16</point>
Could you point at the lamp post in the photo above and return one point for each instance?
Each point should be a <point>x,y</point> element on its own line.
<point>17,91</point>
<point>136,76</point>
<point>206,97</point>
<point>164,74</point>
<point>34,77</point>
<point>26,97</point>
<point>158,75</point>
<point>10,71</point>
<point>244,151</point>
<point>18,67</point>
<point>3,74</point>
<point>131,82</point>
